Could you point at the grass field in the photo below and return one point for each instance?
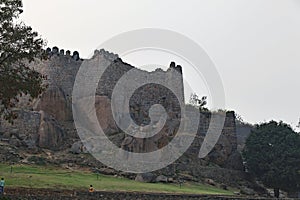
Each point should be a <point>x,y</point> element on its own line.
<point>56,178</point>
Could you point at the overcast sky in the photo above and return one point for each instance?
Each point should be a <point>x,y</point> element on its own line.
<point>254,44</point>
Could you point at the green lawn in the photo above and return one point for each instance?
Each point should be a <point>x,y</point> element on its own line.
<point>51,177</point>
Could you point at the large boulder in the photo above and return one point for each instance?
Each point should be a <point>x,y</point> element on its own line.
<point>55,103</point>
<point>103,112</point>
<point>146,178</point>
<point>162,178</point>
<point>50,133</point>
<point>78,148</point>
<point>104,115</point>
<point>139,145</point>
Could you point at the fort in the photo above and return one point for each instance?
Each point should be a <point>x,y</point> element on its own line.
<point>47,123</point>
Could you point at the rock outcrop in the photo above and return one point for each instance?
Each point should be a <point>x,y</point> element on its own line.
<point>34,129</point>
<point>51,134</point>
<point>53,101</point>
<point>104,115</point>
<point>48,122</point>
<point>146,178</point>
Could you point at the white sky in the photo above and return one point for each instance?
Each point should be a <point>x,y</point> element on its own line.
<point>254,44</point>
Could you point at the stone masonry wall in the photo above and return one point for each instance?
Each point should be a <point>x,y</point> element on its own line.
<point>61,70</point>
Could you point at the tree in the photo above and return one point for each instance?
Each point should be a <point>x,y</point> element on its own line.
<point>272,154</point>
<point>19,45</point>
<point>239,118</point>
<point>197,102</point>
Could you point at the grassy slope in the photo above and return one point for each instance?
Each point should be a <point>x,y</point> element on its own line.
<point>50,177</point>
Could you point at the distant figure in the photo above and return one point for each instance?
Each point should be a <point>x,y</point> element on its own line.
<point>91,189</point>
<point>2,184</point>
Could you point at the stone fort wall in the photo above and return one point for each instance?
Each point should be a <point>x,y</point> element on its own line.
<point>61,69</point>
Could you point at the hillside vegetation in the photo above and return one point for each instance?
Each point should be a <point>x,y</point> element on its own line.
<point>57,178</point>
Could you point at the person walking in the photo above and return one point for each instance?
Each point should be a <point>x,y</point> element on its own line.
<point>91,189</point>
<point>2,184</point>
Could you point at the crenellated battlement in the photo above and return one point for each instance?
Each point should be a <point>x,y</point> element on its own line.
<point>56,52</point>
<point>176,67</point>
<point>106,54</point>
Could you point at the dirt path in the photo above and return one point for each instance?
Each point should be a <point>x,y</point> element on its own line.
<point>49,194</point>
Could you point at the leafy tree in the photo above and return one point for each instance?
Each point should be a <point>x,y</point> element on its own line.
<point>272,154</point>
<point>19,45</point>
<point>197,102</point>
<point>239,118</point>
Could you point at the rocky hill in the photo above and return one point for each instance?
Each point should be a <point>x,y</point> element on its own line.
<point>44,131</point>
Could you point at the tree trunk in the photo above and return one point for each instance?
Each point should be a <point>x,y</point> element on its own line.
<point>276,192</point>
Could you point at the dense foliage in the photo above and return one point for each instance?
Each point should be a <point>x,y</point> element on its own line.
<point>272,154</point>
<point>19,45</point>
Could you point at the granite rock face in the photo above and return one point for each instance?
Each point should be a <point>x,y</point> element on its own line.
<point>104,115</point>
<point>34,129</point>
<point>51,134</point>
<point>54,102</point>
<point>48,121</point>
